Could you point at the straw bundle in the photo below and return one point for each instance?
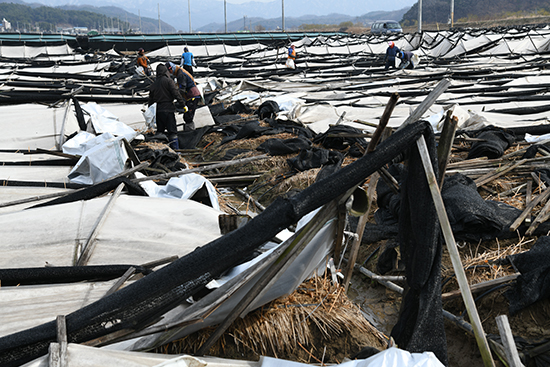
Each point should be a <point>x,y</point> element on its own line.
<point>315,315</point>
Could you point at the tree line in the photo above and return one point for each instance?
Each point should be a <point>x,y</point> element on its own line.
<point>46,18</point>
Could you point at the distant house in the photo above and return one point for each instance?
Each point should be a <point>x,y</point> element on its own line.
<point>80,30</point>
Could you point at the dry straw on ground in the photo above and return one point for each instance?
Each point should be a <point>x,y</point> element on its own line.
<point>316,310</point>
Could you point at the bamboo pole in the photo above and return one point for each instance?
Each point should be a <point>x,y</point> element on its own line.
<point>455,256</point>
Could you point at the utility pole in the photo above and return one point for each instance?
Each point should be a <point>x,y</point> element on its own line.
<point>419,16</point>
<point>158,7</point>
<point>283,14</point>
<point>189,11</point>
<point>225,13</point>
<point>452,12</point>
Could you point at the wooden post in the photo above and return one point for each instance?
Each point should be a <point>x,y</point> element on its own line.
<point>426,103</point>
<point>446,144</point>
<point>455,256</point>
<point>508,341</point>
<point>62,340</point>
<point>89,245</point>
<point>364,218</point>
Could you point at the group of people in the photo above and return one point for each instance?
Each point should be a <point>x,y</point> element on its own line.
<point>165,90</point>
<point>393,53</point>
<point>184,90</point>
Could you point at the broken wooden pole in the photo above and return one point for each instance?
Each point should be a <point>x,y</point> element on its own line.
<point>507,338</point>
<point>89,245</point>
<point>428,102</point>
<point>383,173</point>
<point>446,144</point>
<point>500,171</point>
<point>455,256</point>
<point>131,270</point>
<point>58,351</point>
<point>545,194</point>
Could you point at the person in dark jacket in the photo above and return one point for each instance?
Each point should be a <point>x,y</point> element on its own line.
<point>391,52</point>
<point>163,91</point>
<point>406,59</point>
<point>189,91</point>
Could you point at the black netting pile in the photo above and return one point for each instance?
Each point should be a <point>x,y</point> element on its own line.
<point>534,282</point>
<point>420,325</point>
<point>342,137</point>
<point>471,217</point>
<point>493,142</point>
<point>135,306</point>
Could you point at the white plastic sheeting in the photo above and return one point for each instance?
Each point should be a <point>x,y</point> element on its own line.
<point>392,357</point>
<point>182,187</point>
<point>104,121</point>
<point>45,302</point>
<point>105,157</point>
<point>32,126</point>
<point>83,356</point>
<point>137,230</point>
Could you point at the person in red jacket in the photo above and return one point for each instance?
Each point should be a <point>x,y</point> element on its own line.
<point>189,91</point>
<point>163,91</point>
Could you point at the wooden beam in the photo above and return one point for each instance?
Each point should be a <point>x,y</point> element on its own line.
<point>508,341</point>
<point>545,194</point>
<point>446,144</point>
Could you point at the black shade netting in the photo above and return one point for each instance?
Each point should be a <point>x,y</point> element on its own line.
<point>142,302</point>
<point>65,274</point>
<point>532,151</point>
<point>341,137</point>
<point>160,158</point>
<point>420,326</point>
<point>494,142</point>
<point>315,158</point>
<point>79,115</point>
<point>472,218</point>
<point>534,282</point>
<point>96,191</point>
<point>268,109</point>
<point>190,139</point>
<point>284,146</point>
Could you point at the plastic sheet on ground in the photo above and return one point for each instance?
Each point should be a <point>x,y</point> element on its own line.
<point>392,357</point>
<point>101,161</point>
<point>104,121</point>
<point>182,187</point>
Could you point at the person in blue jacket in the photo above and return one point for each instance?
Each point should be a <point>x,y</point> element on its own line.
<point>187,61</point>
<point>391,53</point>
<point>406,59</point>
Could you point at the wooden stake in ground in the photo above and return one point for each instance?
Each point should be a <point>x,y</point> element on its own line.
<point>445,144</point>
<point>508,341</point>
<point>364,218</point>
<point>455,256</point>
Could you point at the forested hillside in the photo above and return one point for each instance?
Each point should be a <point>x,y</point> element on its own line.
<point>438,11</point>
<point>44,18</point>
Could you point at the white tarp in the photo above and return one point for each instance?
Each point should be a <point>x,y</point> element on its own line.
<point>137,230</point>
<point>104,121</point>
<point>104,158</point>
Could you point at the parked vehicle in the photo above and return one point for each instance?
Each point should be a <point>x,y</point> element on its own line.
<point>385,26</point>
